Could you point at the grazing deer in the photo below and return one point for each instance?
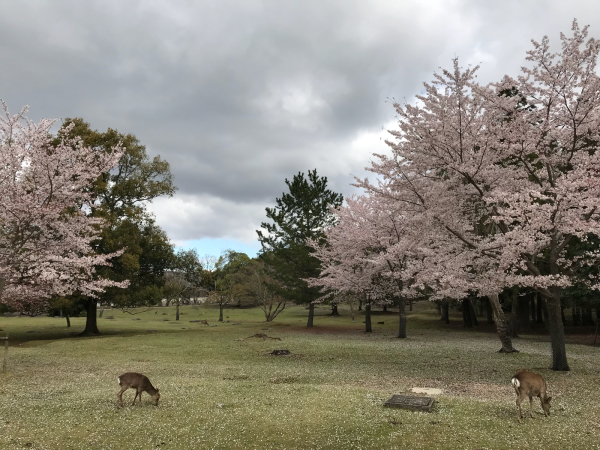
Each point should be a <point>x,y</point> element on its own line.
<point>529,384</point>
<point>138,382</point>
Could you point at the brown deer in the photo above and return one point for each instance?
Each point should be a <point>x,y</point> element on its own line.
<point>529,384</point>
<point>138,382</point>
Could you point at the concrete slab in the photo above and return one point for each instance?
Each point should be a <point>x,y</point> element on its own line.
<point>408,402</point>
<point>427,391</point>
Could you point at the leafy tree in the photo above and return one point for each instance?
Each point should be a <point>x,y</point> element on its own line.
<point>228,279</point>
<point>120,197</point>
<point>148,255</point>
<point>303,213</point>
<point>264,288</point>
<point>184,277</point>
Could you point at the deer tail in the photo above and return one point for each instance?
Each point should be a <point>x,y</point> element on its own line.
<point>515,382</point>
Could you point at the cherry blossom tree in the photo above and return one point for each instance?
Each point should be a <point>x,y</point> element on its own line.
<point>46,237</point>
<point>502,180</point>
<point>369,254</point>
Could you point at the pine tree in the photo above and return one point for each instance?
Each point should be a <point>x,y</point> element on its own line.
<point>303,213</point>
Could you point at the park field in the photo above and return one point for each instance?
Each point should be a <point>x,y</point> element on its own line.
<point>221,389</point>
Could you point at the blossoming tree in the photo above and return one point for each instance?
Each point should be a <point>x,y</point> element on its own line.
<point>46,238</point>
<point>503,179</point>
<point>370,253</point>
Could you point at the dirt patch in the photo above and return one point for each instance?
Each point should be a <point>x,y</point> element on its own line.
<point>262,336</point>
<point>280,352</point>
<point>340,329</point>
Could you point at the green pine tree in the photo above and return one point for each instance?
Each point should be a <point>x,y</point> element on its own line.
<point>301,214</point>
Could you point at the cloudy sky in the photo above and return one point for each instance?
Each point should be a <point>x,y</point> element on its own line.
<point>239,95</point>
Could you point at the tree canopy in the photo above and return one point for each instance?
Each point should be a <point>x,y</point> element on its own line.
<point>46,237</point>
<point>494,185</point>
<point>120,198</point>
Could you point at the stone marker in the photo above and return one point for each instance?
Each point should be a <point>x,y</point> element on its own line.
<point>427,391</point>
<point>406,402</point>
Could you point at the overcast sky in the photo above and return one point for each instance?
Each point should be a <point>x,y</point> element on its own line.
<point>239,95</point>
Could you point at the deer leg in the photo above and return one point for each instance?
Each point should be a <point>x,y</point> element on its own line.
<point>136,394</point>
<point>120,395</point>
<point>519,414</point>
<point>543,409</point>
<point>531,407</point>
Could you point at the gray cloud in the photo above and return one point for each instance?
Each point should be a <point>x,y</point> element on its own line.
<point>237,96</point>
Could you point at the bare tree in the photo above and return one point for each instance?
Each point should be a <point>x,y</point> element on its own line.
<point>264,288</point>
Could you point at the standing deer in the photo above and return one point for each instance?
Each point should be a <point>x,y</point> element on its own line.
<point>138,382</point>
<point>529,384</point>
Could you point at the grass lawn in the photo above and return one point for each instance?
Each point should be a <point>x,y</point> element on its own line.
<point>220,388</point>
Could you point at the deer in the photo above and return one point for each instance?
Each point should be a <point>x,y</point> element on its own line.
<point>138,382</point>
<point>529,384</point>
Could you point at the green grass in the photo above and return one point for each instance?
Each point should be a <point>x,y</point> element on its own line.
<point>220,389</point>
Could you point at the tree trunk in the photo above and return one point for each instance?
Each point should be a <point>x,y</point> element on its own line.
<point>576,314</point>
<point>446,311</point>
<point>368,328</point>
<point>177,311</point>
<point>474,320</point>
<point>101,312</point>
<point>489,311</point>
<point>513,324</point>
<point>410,302</point>
<point>334,310</point>
<point>540,309</point>
<point>557,331</point>
<point>533,310</point>
<point>221,306</point>
<point>385,308</point>
<point>311,314</point>
<point>588,318</point>
<point>466,312</point>
<point>91,323</point>
<point>360,305</point>
<point>501,326</point>
<point>68,320</point>
<point>477,307</point>
<point>402,319</point>
<point>544,309</point>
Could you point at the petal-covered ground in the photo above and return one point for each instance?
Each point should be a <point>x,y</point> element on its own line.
<point>220,389</point>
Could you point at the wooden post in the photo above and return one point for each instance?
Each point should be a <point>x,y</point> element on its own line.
<point>5,352</point>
